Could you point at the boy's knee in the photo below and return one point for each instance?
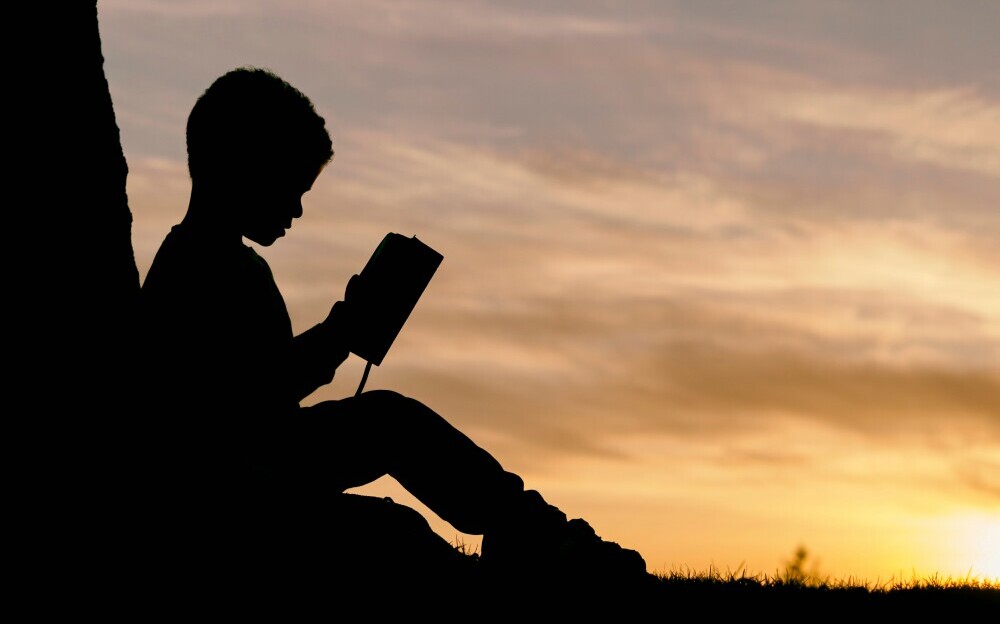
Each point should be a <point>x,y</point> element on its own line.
<point>383,400</point>
<point>399,412</point>
<point>392,407</point>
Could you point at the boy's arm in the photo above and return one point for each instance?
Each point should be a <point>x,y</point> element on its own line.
<point>316,354</point>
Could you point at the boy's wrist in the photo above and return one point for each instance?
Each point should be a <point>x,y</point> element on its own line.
<point>335,325</point>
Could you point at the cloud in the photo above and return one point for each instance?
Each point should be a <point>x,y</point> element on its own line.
<point>981,474</point>
<point>189,9</point>
<point>574,377</point>
<point>952,128</point>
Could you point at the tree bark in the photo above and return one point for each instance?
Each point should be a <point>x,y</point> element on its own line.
<point>75,288</point>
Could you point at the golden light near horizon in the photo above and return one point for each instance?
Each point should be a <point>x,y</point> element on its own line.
<point>975,545</point>
<point>722,282</point>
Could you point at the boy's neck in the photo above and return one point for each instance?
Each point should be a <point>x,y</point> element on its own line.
<point>209,214</point>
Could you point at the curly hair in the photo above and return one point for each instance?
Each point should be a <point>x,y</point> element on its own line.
<point>250,116</point>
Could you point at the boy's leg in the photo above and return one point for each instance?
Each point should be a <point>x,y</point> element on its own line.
<point>354,441</point>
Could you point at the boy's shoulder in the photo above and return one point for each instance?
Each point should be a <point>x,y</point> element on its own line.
<point>187,258</point>
<point>186,246</point>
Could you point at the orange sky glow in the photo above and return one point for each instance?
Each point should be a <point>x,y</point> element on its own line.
<point>721,278</point>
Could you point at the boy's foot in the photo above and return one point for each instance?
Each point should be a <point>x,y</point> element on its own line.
<point>539,544</point>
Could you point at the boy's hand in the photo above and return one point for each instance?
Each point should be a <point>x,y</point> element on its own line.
<point>337,329</point>
<point>338,321</point>
<point>342,321</point>
<point>351,309</point>
<point>354,293</point>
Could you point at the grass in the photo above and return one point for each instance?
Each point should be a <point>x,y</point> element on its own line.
<point>789,579</point>
<point>797,574</point>
<point>792,592</point>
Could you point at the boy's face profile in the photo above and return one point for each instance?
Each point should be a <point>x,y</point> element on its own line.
<point>270,198</point>
<point>255,146</point>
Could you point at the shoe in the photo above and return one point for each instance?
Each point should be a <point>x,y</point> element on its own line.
<point>537,546</point>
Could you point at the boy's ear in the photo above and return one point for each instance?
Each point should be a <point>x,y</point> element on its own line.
<point>231,179</point>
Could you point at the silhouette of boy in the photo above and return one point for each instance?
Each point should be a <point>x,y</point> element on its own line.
<point>234,450</point>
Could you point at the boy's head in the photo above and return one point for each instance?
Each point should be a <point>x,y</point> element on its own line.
<point>257,141</point>
<point>249,119</point>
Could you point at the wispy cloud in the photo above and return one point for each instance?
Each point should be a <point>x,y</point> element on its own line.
<point>945,128</point>
<point>189,9</point>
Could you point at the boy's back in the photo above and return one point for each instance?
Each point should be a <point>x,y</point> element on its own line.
<point>202,298</point>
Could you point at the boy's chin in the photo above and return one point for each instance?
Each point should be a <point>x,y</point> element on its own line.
<point>262,239</point>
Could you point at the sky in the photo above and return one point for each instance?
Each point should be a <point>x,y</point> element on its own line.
<point>721,278</point>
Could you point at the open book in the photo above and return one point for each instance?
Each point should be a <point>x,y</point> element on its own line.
<point>390,285</point>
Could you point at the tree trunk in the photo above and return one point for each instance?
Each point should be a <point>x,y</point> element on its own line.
<point>76,287</point>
